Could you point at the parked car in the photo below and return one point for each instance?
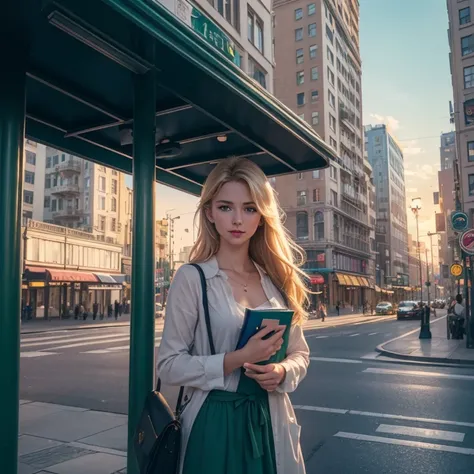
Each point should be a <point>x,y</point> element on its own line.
<point>384,307</point>
<point>409,310</point>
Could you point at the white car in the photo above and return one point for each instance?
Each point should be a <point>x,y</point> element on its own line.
<point>384,307</point>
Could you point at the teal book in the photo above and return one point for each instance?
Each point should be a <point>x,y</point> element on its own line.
<point>257,319</point>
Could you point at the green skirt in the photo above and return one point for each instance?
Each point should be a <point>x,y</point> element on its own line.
<point>232,433</point>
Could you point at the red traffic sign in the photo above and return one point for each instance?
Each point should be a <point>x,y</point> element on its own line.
<point>466,241</point>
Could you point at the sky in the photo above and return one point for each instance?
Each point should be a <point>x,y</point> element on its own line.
<point>406,84</point>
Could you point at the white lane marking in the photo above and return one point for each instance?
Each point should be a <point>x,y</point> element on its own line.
<point>36,354</point>
<point>90,343</point>
<point>388,334</point>
<point>316,337</point>
<point>373,333</point>
<point>354,335</point>
<point>321,409</point>
<point>371,355</point>
<point>328,359</point>
<point>389,416</point>
<point>405,442</point>
<point>63,336</point>
<point>422,433</point>
<point>74,339</point>
<point>111,350</point>
<point>417,373</point>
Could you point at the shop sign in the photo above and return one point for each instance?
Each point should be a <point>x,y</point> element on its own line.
<point>459,221</point>
<point>466,241</point>
<point>456,270</point>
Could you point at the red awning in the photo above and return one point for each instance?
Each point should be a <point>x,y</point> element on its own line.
<point>317,279</point>
<point>71,275</point>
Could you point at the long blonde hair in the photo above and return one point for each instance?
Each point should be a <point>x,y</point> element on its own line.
<point>271,247</point>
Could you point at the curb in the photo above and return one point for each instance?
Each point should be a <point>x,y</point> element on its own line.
<point>397,355</point>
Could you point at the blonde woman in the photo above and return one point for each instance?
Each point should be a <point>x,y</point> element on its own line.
<point>238,418</point>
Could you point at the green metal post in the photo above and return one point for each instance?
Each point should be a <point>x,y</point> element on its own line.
<point>12,132</point>
<point>142,322</point>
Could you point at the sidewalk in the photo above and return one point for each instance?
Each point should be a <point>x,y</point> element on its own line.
<point>56,439</point>
<point>437,349</point>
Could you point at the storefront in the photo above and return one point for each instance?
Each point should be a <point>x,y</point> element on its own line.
<point>350,291</point>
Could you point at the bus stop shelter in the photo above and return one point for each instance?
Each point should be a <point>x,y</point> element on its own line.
<point>129,85</point>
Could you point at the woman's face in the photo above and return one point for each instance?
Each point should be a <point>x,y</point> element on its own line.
<point>234,214</point>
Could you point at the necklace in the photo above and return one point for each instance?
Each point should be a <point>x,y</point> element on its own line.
<point>244,285</point>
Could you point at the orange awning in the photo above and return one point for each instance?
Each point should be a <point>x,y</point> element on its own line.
<point>342,279</point>
<point>72,276</point>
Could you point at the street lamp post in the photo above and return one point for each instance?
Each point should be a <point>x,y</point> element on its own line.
<point>425,332</point>
<point>430,235</point>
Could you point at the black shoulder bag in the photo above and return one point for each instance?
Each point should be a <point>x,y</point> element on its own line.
<point>157,439</point>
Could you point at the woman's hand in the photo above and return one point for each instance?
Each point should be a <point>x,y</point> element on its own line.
<point>267,376</point>
<point>259,349</point>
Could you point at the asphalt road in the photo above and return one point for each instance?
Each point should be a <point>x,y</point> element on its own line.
<point>358,414</point>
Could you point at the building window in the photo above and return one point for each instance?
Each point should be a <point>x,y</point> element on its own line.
<point>298,14</point>
<point>316,174</point>
<point>29,177</point>
<point>114,186</point>
<point>257,73</point>
<point>333,172</point>
<point>54,205</point>
<point>63,157</point>
<point>47,182</point>
<point>467,45</point>
<point>471,184</point>
<point>102,203</point>
<point>299,78</point>
<point>102,183</point>
<point>314,96</point>
<point>255,30</point>
<point>329,35</point>
<point>86,165</point>
<point>114,173</point>
<point>300,176</point>
<point>299,34</point>
<point>333,198</point>
<point>299,56</point>
<point>301,198</point>
<point>333,143</point>
<point>60,204</point>
<point>102,223</point>
<point>86,203</point>
<point>47,202</point>
<point>313,51</point>
<point>470,151</point>
<point>87,183</point>
<point>330,76</point>
<point>113,224</point>
<point>302,231</point>
<point>332,99</point>
<point>311,9</point>
<point>55,181</point>
<point>113,204</point>
<point>465,15</point>
<point>315,118</point>
<point>332,122</point>
<point>312,30</point>
<point>318,225</point>
<point>76,204</point>
<point>30,157</point>
<point>300,99</point>
<point>28,197</point>
<point>314,73</point>
<point>48,162</point>
<point>230,10</point>
<point>316,195</point>
<point>330,56</point>
<point>468,77</point>
<point>55,160</point>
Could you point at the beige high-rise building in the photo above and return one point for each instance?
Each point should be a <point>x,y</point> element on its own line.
<point>461,42</point>
<point>318,75</point>
<point>33,181</point>
<point>83,195</point>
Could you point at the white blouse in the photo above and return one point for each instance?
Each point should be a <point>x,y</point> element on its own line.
<point>184,355</point>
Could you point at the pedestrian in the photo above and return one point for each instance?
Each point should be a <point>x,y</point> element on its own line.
<point>238,416</point>
<point>457,319</point>
<point>116,309</point>
<point>110,310</point>
<point>322,311</point>
<point>95,310</point>
<point>82,312</point>
<point>76,311</point>
<point>338,308</point>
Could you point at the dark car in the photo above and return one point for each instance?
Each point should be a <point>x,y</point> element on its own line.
<point>409,310</point>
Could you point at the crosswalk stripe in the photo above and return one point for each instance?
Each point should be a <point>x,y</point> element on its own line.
<point>417,373</point>
<point>90,343</point>
<point>354,335</point>
<point>422,433</point>
<point>110,350</point>
<point>405,442</point>
<point>73,339</point>
<point>30,354</point>
<point>329,359</point>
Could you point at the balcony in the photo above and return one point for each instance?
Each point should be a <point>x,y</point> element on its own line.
<point>68,212</point>
<point>66,189</point>
<point>347,117</point>
<point>68,167</point>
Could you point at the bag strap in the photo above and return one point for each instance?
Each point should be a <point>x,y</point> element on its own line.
<point>207,317</point>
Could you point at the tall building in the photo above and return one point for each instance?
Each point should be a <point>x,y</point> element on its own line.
<point>318,75</point>
<point>80,194</point>
<point>461,42</point>
<point>33,181</point>
<point>386,159</point>
<point>245,25</point>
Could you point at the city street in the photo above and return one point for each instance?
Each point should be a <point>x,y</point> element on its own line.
<point>358,414</point>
